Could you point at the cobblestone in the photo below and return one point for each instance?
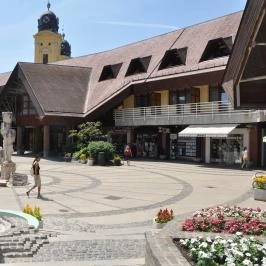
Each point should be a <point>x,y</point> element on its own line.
<point>87,250</point>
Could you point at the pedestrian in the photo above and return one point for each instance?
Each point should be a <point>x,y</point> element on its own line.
<point>37,178</point>
<point>245,159</point>
<point>127,154</point>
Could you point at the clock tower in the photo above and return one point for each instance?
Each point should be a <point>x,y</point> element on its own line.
<point>50,46</point>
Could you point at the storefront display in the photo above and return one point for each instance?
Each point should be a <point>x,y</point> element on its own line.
<point>184,147</point>
<point>147,145</point>
<point>227,150</point>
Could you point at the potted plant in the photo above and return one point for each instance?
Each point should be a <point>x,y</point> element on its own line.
<point>76,155</point>
<point>90,161</point>
<point>163,216</point>
<point>117,160</point>
<point>83,158</point>
<point>259,186</point>
<point>35,213</point>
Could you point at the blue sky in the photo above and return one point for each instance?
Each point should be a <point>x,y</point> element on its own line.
<point>92,26</point>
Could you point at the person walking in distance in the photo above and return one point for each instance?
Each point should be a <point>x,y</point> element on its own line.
<point>37,178</point>
<point>245,158</point>
<point>128,154</point>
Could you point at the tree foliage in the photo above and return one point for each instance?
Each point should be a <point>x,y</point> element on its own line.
<point>85,133</point>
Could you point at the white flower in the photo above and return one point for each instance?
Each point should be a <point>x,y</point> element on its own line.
<point>208,240</point>
<point>193,240</point>
<point>247,262</point>
<point>239,233</point>
<point>203,245</point>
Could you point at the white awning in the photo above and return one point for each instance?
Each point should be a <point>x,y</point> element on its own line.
<point>221,131</point>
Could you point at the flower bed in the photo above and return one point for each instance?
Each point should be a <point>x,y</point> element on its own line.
<point>237,251</point>
<point>228,220</point>
<point>233,212</point>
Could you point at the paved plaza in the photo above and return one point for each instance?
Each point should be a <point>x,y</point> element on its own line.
<point>98,215</point>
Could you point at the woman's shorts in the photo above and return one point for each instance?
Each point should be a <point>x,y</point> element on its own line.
<point>37,180</point>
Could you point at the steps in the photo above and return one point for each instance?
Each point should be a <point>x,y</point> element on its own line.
<point>20,240</point>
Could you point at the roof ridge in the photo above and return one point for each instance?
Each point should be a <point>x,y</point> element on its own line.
<point>52,64</point>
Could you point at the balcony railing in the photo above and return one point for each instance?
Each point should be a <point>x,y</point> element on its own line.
<point>192,113</point>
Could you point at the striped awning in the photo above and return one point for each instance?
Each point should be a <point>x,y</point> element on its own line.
<point>221,131</point>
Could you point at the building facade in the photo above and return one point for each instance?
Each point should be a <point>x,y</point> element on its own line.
<point>163,95</point>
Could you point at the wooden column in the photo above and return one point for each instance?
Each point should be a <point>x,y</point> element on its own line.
<point>46,141</point>
<point>19,148</point>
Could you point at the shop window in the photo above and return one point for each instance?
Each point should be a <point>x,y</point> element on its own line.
<point>138,65</point>
<point>217,48</point>
<point>227,150</point>
<point>110,72</point>
<point>173,57</point>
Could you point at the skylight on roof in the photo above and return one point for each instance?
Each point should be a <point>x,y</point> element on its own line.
<point>174,57</point>
<point>138,65</point>
<point>217,48</point>
<point>110,72</point>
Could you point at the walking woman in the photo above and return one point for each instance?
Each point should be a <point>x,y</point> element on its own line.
<point>37,178</point>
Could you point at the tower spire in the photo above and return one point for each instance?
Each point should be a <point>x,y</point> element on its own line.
<point>48,5</point>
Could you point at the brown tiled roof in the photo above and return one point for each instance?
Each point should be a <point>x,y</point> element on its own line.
<point>58,89</point>
<point>195,38</point>
<point>248,26</point>
<point>4,78</point>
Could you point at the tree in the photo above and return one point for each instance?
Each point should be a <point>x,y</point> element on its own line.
<point>86,132</point>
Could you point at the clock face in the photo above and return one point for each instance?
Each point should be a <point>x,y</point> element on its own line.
<point>45,19</point>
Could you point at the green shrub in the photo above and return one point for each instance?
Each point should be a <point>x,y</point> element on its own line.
<point>83,156</point>
<point>77,154</point>
<point>101,146</point>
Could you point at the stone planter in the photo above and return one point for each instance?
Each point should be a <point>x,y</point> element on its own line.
<point>156,225</point>
<point>117,162</point>
<point>260,194</point>
<point>90,162</point>
<point>83,161</point>
<point>41,224</point>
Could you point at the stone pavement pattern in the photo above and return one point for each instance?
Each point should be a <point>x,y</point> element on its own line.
<point>100,214</point>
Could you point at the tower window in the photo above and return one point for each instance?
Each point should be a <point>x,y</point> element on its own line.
<point>110,72</point>
<point>138,65</point>
<point>49,44</point>
<point>217,48</point>
<point>174,57</point>
<point>41,44</point>
<point>45,58</point>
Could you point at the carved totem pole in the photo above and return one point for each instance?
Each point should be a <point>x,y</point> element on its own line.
<point>9,135</point>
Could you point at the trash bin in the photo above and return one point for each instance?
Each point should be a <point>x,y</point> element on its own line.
<point>101,158</point>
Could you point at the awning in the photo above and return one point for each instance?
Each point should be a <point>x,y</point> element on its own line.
<point>220,131</point>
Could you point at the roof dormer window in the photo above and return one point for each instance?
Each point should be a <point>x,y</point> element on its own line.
<point>217,48</point>
<point>110,72</point>
<point>174,57</point>
<point>138,65</point>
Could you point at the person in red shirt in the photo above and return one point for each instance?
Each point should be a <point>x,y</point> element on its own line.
<point>127,154</point>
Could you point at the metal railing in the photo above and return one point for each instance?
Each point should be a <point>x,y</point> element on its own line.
<point>180,112</point>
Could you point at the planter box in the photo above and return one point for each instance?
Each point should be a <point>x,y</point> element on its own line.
<point>156,225</point>
<point>260,194</point>
<point>90,162</point>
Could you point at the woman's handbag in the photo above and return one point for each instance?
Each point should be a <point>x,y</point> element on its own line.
<point>31,171</point>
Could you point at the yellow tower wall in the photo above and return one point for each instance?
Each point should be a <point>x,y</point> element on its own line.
<point>48,42</point>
